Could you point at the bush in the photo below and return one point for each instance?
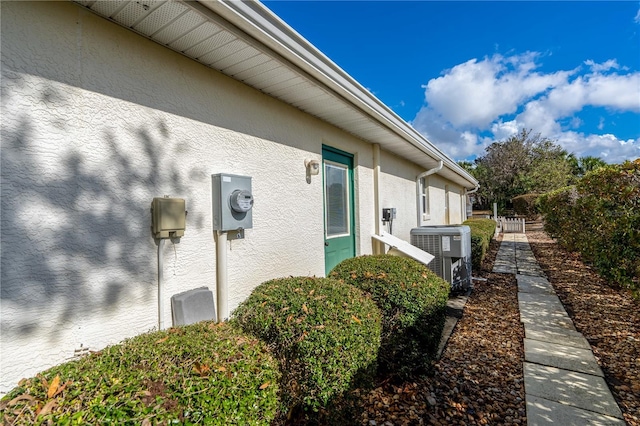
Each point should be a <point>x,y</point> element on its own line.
<point>412,299</point>
<point>600,218</point>
<point>204,373</point>
<point>325,334</point>
<point>558,207</point>
<point>482,231</point>
<point>526,205</point>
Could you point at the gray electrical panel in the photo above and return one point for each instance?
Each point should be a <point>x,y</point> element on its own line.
<point>232,202</point>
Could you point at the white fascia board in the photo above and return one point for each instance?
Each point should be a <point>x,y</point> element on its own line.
<point>259,22</point>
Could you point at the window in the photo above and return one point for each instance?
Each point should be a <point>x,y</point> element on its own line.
<point>424,198</point>
<point>447,217</point>
<point>337,199</point>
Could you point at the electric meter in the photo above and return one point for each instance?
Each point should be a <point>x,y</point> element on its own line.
<point>232,202</point>
<point>241,200</point>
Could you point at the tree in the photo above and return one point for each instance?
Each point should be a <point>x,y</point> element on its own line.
<point>583,165</point>
<point>521,164</point>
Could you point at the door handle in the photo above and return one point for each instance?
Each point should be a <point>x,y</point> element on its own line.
<point>326,244</point>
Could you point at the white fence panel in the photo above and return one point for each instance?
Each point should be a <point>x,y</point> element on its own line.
<point>511,224</point>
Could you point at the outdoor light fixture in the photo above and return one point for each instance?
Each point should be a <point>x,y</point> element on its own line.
<point>313,167</point>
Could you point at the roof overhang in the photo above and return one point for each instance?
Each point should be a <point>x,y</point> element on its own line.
<point>246,41</point>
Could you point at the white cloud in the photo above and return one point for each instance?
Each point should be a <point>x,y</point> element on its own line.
<point>476,93</point>
<point>608,147</point>
<point>605,66</point>
<point>637,18</point>
<point>457,144</point>
<point>502,95</point>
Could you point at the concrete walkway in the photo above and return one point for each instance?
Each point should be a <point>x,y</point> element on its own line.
<point>563,382</point>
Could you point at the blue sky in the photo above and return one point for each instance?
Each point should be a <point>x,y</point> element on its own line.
<point>466,74</point>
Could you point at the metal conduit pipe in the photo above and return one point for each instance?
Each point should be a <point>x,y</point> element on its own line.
<point>418,195</point>
<point>160,284</point>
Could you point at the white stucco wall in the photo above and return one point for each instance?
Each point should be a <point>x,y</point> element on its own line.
<point>96,122</point>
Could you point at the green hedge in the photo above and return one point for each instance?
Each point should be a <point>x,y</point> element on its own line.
<point>204,373</point>
<point>526,205</point>
<point>600,218</point>
<point>482,231</point>
<point>412,299</point>
<point>325,334</point>
<point>557,208</point>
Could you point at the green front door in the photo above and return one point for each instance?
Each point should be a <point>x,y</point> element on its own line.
<point>339,236</point>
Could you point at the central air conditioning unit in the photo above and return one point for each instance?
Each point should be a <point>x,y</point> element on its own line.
<point>451,246</point>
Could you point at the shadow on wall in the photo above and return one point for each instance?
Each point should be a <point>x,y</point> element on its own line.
<point>76,236</point>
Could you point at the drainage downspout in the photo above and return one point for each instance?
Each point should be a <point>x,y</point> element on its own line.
<point>377,245</point>
<point>418,195</point>
<point>160,284</point>
<point>222,285</point>
<point>466,193</point>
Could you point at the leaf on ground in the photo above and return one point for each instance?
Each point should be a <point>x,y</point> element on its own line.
<point>201,369</point>
<point>264,385</point>
<point>47,408</point>
<point>355,318</point>
<point>19,398</point>
<point>62,388</point>
<point>164,339</point>
<point>53,388</point>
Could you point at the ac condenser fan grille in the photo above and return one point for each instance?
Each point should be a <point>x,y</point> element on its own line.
<point>430,244</point>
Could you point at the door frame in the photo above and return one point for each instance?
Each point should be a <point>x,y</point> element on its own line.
<point>334,155</point>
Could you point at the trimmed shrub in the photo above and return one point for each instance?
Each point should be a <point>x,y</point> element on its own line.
<point>412,299</point>
<point>526,205</point>
<point>600,218</point>
<point>325,334</point>
<point>204,373</point>
<point>482,231</point>
<point>558,207</point>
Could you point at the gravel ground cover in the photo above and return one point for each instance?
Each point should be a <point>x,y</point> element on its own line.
<point>609,318</point>
<point>478,380</point>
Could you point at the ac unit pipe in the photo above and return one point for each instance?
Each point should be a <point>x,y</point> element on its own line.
<point>160,284</point>
<point>418,195</point>
<point>222,284</point>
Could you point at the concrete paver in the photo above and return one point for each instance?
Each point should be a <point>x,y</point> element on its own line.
<point>563,382</point>
<point>545,333</point>
<point>570,388</point>
<point>542,412</point>
<point>534,284</point>
<point>540,299</point>
<point>561,356</point>
<point>536,314</point>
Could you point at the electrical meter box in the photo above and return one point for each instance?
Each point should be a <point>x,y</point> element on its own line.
<point>169,217</point>
<point>232,202</point>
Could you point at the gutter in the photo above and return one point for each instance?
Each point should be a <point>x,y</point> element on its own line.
<point>260,23</point>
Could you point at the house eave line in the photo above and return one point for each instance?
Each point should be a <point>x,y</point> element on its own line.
<point>261,24</point>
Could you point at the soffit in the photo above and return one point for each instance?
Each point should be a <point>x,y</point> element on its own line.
<point>193,29</point>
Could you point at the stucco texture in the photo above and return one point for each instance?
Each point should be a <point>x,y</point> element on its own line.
<point>97,121</point>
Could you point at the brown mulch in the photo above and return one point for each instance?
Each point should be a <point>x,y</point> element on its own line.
<point>478,380</point>
<point>608,317</point>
